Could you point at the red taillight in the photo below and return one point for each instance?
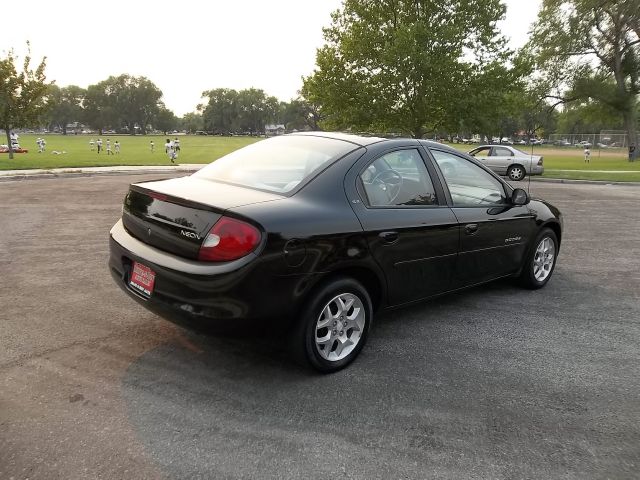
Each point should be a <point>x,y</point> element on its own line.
<point>229,239</point>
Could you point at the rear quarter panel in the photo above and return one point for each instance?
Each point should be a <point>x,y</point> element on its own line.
<point>313,233</point>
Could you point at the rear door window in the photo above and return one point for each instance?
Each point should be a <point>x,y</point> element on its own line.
<point>502,152</point>
<point>396,179</point>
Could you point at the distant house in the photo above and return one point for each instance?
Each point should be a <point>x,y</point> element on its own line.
<point>271,130</point>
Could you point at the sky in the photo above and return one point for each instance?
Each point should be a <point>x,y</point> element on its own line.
<point>186,47</point>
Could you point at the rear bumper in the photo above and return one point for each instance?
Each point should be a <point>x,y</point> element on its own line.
<point>226,299</point>
<point>536,169</point>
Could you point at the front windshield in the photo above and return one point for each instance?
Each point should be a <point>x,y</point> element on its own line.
<point>278,164</point>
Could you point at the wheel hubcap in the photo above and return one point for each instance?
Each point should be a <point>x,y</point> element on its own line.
<point>339,327</point>
<point>516,173</point>
<point>543,259</point>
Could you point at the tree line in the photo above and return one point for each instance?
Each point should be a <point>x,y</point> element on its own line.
<point>409,67</point>
<point>134,105</point>
<point>130,104</point>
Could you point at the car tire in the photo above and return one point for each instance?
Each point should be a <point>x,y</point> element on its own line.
<point>516,172</point>
<point>541,260</point>
<point>333,325</point>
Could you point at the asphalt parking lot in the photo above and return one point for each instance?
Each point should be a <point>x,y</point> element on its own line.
<point>493,382</point>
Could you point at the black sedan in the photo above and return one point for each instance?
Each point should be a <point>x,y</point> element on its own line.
<point>314,232</point>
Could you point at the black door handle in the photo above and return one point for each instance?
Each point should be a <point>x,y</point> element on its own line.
<point>471,228</point>
<point>389,237</point>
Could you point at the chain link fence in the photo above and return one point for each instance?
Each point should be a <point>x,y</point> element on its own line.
<point>604,139</point>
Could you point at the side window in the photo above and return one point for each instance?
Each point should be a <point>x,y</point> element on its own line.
<point>470,185</point>
<point>502,152</point>
<point>398,178</point>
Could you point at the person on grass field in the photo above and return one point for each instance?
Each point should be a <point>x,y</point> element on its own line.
<point>173,155</point>
<point>116,145</point>
<point>99,145</point>
<point>587,155</point>
<point>170,150</point>
<point>109,152</point>
<point>152,146</point>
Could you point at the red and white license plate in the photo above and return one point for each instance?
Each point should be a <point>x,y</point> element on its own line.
<point>142,279</point>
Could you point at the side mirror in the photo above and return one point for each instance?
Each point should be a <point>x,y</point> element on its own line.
<point>519,197</point>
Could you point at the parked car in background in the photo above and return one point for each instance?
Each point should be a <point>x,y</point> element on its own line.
<point>309,235</point>
<point>509,161</point>
<point>583,144</point>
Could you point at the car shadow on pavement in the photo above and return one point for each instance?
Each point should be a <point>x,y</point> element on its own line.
<point>469,380</point>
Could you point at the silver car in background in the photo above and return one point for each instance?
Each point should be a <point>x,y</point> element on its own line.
<point>508,161</point>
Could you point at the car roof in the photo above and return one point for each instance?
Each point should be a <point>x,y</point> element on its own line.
<point>365,141</point>
<point>347,137</point>
<point>493,145</point>
<point>441,146</point>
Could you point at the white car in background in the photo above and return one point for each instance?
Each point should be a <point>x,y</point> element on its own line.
<point>508,161</point>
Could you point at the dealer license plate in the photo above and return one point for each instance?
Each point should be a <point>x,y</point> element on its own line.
<point>142,279</point>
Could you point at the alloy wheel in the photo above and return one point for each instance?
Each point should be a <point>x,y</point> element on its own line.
<point>340,326</point>
<point>543,259</point>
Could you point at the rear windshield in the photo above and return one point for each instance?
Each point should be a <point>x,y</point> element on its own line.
<point>278,164</point>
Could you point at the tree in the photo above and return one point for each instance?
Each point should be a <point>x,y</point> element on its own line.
<point>123,102</point>
<point>300,114</point>
<point>137,101</point>
<point>99,112</point>
<point>255,110</point>
<point>65,105</point>
<point>228,110</point>
<point>221,110</point>
<point>165,120</point>
<point>23,94</point>
<point>191,122</point>
<point>536,116</point>
<point>588,117</point>
<point>590,50</point>
<point>491,103</point>
<point>401,65</point>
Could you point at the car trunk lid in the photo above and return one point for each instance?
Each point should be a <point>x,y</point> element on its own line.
<point>176,215</point>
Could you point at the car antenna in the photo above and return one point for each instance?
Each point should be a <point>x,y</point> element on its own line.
<point>530,168</point>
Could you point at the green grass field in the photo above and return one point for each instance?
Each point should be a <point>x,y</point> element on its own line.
<point>133,151</point>
<point>606,165</point>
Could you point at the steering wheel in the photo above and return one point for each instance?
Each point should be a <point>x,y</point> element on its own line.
<point>390,182</point>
